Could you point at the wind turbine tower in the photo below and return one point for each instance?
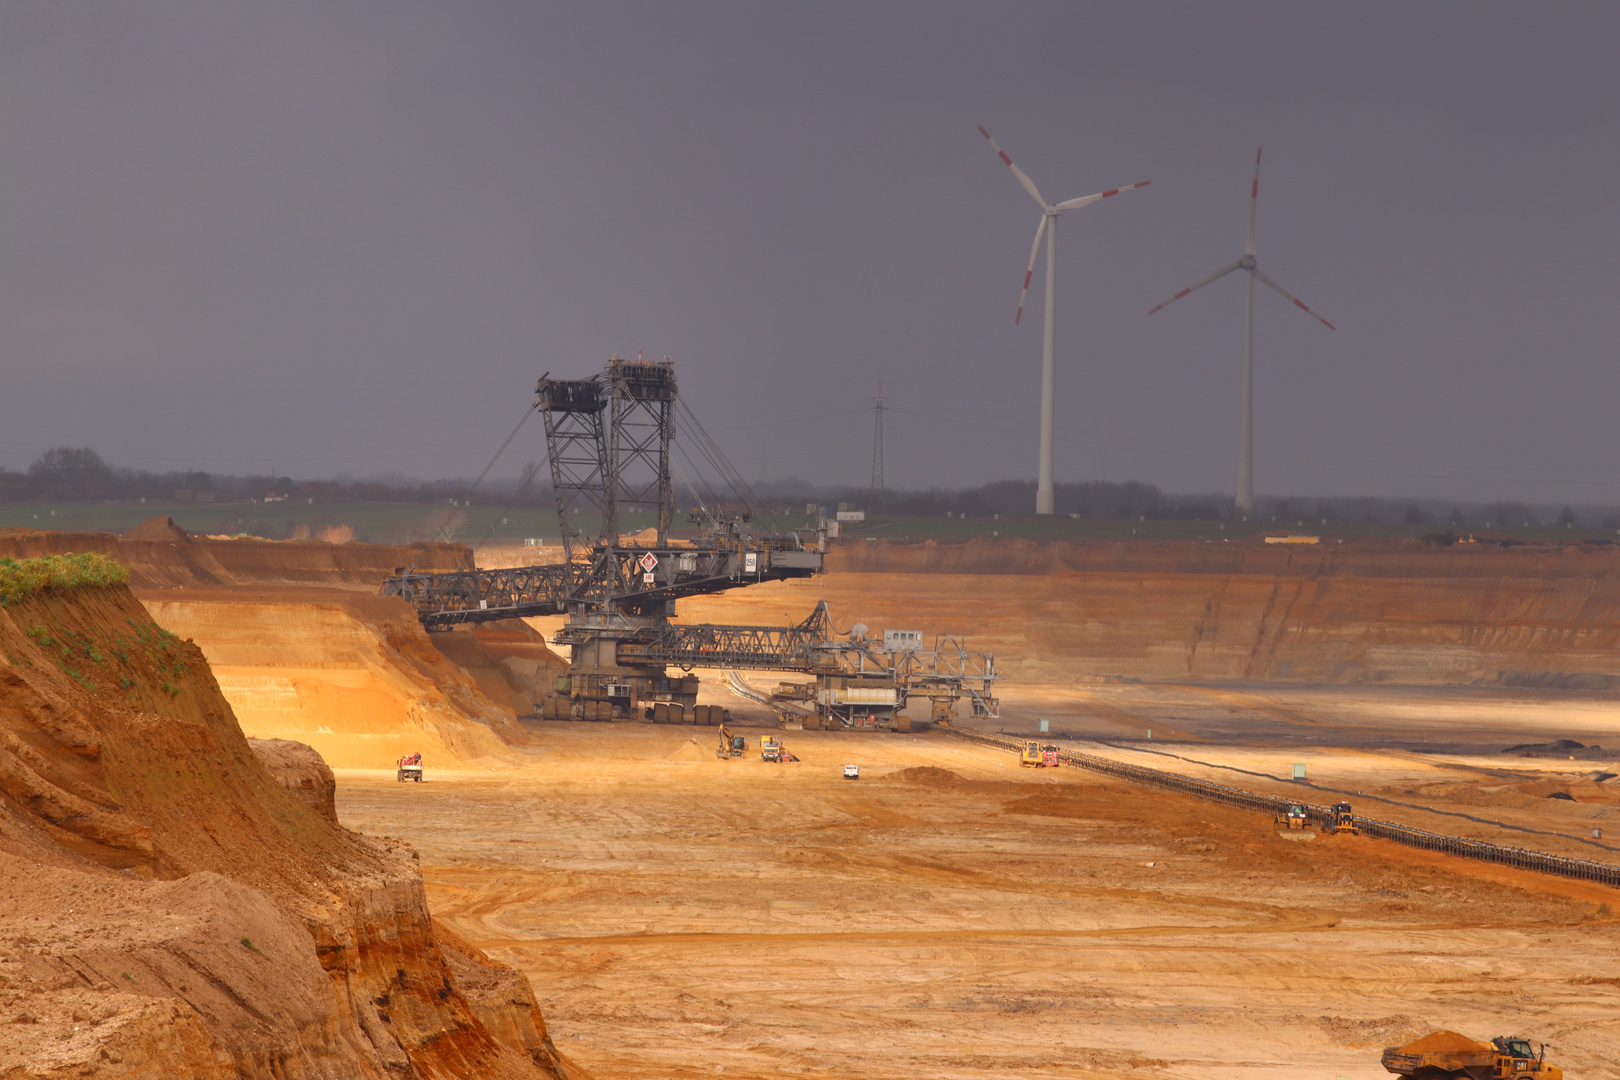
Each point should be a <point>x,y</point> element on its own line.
<point>1247,263</point>
<point>1050,212</point>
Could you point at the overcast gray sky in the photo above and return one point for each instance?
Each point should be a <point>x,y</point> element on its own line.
<point>346,238</point>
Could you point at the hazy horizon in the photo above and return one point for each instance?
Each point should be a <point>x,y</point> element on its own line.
<point>307,240</point>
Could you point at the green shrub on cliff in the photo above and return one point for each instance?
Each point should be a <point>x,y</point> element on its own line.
<point>21,578</point>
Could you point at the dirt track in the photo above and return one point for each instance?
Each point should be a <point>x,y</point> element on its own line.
<point>949,915</point>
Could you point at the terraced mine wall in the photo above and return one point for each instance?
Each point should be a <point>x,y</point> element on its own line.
<point>169,906</point>
<point>162,555</point>
<point>1361,611</point>
<point>303,648</point>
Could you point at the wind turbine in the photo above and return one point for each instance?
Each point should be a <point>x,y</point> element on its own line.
<point>1050,212</point>
<point>1245,490</point>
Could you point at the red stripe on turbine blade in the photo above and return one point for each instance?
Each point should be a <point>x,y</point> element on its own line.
<point>1302,307</point>
<point>1144,183</point>
<point>983,132</point>
<point>1325,323</point>
<point>1257,151</point>
<point>1007,159</point>
<point>1019,317</point>
<point>1180,294</point>
<point>1254,192</point>
<point>1152,310</point>
<point>1027,275</point>
<point>1108,193</point>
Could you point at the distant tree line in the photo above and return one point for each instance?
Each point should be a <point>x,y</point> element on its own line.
<point>1132,499</point>
<point>79,474</point>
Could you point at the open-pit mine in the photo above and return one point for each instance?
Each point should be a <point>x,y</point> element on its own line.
<point>191,891</point>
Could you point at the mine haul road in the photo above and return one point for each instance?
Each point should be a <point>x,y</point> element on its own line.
<point>952,916</point>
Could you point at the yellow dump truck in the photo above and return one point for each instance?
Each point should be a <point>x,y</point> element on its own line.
<point>1031,755</point>
<point>1446,1055</point>
<point>770,748</point>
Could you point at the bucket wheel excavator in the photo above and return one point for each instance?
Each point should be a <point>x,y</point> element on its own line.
<point>610,440</point>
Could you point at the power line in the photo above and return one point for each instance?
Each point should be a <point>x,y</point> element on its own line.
<point>878,497</point>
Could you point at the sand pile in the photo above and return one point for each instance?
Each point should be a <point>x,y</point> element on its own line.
<point>1441,1042</point>
<point>691,751</point>
<point>928,776</point>
<point>171,908</point>
<point>1567,749</point>
<point>157,528</point>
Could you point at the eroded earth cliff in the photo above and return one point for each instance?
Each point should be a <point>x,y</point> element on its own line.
<point>171,907</point>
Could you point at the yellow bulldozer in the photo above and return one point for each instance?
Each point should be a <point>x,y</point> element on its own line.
<point>1295,820</point>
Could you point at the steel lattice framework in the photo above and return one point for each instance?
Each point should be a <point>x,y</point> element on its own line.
<point>608,438</point>
<point>609,441</point>
<point>577,446</point>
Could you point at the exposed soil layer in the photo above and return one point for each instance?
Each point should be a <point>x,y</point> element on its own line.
<point>301,771</point>
<point>303,648</point>
<point>171,907</point>
<point>352,674</point>
<point>1362,611</point>
<point>160,554</point>
<point>952,915</point>
<point>947,915</point>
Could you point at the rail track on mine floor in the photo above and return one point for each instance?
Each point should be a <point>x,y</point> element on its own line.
<point>1462,847</point>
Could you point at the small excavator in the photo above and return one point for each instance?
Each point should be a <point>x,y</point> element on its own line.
<point>730,745</point>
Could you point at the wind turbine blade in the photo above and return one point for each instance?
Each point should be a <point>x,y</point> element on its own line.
<point>1286,295</point>
<point>1075,204</point>
<point>1222,272</point>
<point>1029,185</point>
<point>1254,199</point>
<point>1035,249</point>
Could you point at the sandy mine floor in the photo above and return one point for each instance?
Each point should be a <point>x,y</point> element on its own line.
<point>948,915</point>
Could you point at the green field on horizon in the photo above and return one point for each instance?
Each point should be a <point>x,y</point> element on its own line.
<point>399,523</point>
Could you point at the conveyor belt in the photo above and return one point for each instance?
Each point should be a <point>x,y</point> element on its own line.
<point>1462,847</point>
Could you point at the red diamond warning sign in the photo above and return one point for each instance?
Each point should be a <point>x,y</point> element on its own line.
<point>648,561</point>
